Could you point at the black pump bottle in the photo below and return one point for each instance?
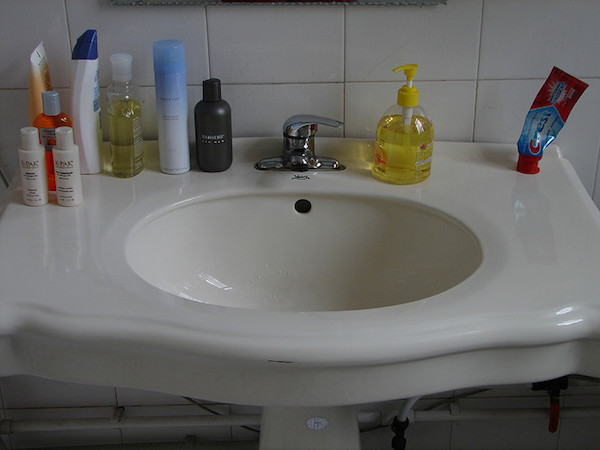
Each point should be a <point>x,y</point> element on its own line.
<point>212,116</point>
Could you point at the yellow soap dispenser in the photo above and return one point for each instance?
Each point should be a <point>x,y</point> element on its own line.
<point>404,143</point>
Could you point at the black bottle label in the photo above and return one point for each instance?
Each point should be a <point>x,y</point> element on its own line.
<point>213,138</point>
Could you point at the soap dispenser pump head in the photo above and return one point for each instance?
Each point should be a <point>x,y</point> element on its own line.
<point>408,95</point>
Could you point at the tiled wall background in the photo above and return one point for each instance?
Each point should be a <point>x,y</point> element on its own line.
<point>28,398</point>
<point>481,64</point>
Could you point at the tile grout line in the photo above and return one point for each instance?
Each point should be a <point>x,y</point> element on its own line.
<point>68,26</point>
<point>344,57</point>
<point>477,71</point>
<point>207,42</point>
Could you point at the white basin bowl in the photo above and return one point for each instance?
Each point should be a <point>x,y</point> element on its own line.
<point>344,253</point>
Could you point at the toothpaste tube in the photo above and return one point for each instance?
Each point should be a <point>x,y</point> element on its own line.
<point>546,117</point>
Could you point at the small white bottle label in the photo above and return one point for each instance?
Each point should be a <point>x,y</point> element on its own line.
<point>68,180</point>
<point>33,178</point>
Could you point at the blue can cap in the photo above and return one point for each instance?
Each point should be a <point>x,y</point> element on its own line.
<point>86,46</point>
<point>169,56</point>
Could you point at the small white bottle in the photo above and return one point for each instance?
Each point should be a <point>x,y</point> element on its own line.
<point>32,163</point>
<point>66,168</point>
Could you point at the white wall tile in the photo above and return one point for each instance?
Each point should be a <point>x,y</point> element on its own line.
<point>596,194</point>
<point>502,106</point>
<point>245,433</point>
<point>583,387</point>
<point>34,392</point>
<point>261,110</point>
<point>281,44</point>
<point>443,40</point>
<point>366,103</point>
<point>13,116</point>
<point>497,400</point>
<point>578,434</point>
<point>47,439</point>
<point>2,406</point>
<point>23,25</point>
<point>429,435</point>
<point>524,39</point>
<point>503,435</point>
<point>136,397</point>
<point>421,436</point>
<point>175,433</point>
<point>131,29</point>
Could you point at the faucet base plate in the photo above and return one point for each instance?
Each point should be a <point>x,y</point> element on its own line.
<point>279,163</point>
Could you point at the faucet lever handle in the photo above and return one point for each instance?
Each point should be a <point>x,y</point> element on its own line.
<point>305,125</point>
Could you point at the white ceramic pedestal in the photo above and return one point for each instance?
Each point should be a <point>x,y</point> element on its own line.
<point>326,428</point>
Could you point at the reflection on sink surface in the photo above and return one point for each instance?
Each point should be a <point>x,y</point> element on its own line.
<point>265,251</point>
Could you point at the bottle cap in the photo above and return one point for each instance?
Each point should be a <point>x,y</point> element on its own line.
<point>528,164</point>
<point>64,138</point>
<point>50,103</point>
<point>30,139</point>
<point>408,95</point>
<point>211,90</point>
<point>121,67</point>
<point>86,46</point>
<point>169,56</point>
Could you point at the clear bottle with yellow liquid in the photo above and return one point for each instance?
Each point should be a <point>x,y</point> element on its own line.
<point>126,157</point>
<point>404,144</point>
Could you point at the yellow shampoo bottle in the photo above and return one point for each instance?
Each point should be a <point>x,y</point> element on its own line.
<point>404,144</point>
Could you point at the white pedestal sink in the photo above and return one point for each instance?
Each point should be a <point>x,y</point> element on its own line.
<point>212,285</point>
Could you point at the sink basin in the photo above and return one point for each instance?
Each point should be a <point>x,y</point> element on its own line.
<point>293,252</point>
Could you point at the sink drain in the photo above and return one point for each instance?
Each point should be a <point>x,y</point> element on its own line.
<point>302,206</point>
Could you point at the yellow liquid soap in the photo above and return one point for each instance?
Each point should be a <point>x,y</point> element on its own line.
<point>126,143</point>
<point>403,152</point>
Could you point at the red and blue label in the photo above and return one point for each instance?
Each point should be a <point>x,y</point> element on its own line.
<point>549,112</point>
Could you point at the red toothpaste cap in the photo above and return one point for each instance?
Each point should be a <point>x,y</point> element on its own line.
<point>528,164</point>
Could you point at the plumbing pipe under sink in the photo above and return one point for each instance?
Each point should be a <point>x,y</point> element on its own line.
<point>451,414</point>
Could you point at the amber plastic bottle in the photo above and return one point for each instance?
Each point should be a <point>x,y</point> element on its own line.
<point>47,122</point>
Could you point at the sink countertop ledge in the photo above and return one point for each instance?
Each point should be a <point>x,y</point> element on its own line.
<point>71,307</point>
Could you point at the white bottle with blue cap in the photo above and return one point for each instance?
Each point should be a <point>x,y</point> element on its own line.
<point>85,102</point>
<point>171,106</point>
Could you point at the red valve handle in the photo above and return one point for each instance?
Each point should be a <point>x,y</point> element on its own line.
<point>554,416</point>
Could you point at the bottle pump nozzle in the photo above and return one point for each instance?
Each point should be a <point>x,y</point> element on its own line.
<point>410,70</point>
<point>408,95</point>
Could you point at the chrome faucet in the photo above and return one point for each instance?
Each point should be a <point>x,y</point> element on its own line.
<point>299,146</point>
